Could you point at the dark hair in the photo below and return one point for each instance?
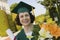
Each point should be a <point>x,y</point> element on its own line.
<point>32,17</point>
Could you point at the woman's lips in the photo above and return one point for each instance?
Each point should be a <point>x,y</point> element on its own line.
<point>25,21</point>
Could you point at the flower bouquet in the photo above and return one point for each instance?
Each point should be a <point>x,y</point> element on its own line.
<point>44,34</point>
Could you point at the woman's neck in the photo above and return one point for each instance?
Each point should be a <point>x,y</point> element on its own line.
<point>28,28</point>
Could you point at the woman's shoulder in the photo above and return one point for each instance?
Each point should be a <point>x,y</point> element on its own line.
<point>20,33</point>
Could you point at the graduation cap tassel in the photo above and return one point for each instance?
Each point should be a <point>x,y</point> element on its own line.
<point>33,11</point>
<point>33,14</point>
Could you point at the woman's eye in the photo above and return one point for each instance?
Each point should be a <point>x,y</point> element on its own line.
<point>21,16</point>
<point>26,15</point>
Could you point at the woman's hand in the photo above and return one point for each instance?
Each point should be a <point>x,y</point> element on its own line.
<point>8,38</point>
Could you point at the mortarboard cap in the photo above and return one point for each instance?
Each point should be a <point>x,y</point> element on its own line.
<point>22,7</point>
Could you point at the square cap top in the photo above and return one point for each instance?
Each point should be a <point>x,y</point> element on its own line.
<point>22,7</point>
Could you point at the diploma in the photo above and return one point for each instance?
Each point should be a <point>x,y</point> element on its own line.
<point>10,34</point>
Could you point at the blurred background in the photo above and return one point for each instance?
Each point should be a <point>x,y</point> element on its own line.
<point>46,11</point>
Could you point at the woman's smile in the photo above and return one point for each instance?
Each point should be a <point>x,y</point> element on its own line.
<point>25,21</point>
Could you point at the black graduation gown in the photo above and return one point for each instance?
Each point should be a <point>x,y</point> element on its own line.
<point>21,35</point>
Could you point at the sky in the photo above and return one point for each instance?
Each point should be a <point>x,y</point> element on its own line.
<point>39,9</point>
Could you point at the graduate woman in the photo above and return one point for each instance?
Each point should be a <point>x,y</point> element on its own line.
<point>25,18</point>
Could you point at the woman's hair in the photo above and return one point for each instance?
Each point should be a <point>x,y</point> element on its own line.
<point>32,17</point>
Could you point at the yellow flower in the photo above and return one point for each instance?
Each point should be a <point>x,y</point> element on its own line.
<point>29,37</point>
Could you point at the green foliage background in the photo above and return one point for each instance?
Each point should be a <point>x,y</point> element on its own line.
<point>53,7</point>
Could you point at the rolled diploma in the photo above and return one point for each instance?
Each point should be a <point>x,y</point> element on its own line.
<point>10,34</point>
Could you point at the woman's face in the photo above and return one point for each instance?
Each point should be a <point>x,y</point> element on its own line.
<point>24,18</point>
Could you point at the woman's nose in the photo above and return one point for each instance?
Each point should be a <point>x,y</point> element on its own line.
<point>25,17</point>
